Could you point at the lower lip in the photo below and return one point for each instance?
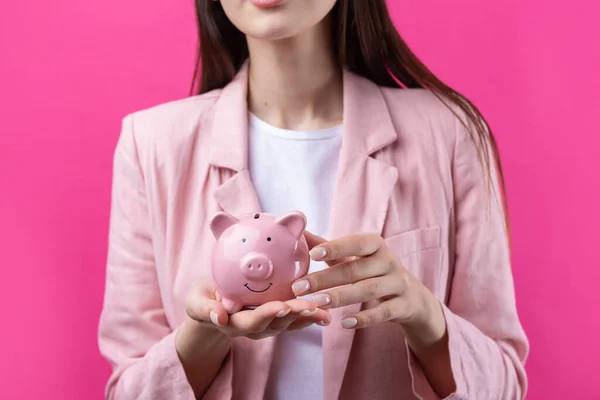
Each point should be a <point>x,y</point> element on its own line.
<point>266,3</point>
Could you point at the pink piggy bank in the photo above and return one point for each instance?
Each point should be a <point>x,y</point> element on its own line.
<point>257,257</point>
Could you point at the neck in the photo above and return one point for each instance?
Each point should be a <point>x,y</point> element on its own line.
<point>296,83</point>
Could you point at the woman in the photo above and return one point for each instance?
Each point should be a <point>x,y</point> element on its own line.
<point>300,107</point>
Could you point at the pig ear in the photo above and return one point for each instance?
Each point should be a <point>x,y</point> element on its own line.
<point>294,221</point>
<point>220,222</point>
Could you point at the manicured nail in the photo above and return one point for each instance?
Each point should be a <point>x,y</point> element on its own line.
<point>323,323</point>
<point>300,287</point>
<point>349,323</point>
<point>308,313</point>
<point>283,313</point>
<point>321,299</point>
<point>214,318</point>
<point>318,253</point>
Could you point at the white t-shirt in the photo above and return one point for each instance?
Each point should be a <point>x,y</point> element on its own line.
<point>295,170</point>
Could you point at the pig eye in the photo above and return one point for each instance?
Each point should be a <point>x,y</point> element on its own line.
<point>256,216</point>
<point>268,239</point>
<point>244,240</point>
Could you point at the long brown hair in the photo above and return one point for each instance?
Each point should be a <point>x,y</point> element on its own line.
<point>366,42</point>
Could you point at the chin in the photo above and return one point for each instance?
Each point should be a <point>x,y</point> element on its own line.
<point>273,28</point>
<point>272,33</point>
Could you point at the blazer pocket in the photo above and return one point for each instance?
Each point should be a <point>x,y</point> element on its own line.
<point>420,252</point>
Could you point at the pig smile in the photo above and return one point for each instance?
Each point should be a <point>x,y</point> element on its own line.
<point>258,291</point>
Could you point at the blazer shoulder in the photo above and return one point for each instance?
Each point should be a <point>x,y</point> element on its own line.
<point>420,114</point>
<point>175,120</point>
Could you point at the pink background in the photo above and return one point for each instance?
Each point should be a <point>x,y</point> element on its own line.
<point>69,73</point>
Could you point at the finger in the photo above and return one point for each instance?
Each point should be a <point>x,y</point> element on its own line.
<point>281,324</point>
<point>360,292</point>
<point>297,306</point>
<point>386,311</point>
<point>207,288</point>
<point>303,307</point>
<point>322,317</point>
<point>361,245</point>
<point>298,325</point>
<point>262,335</point>
<point>301,310</point>
<point>343,274</point>
<point>314,240</point>
<point>202,305</point>
<point>257,320</point>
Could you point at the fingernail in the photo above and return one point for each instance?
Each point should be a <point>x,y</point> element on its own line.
<point>349,323</point>
<point>318,253</point>
<point>308,313</point>
<point>321,299</point>
<point>301,287</point>
<point>214,318</point>
<point>283,313</point>
<point>323,323</point>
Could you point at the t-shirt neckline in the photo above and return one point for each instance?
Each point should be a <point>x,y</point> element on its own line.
<point>316,134</point>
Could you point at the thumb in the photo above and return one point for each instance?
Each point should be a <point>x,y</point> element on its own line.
<point>202,304</point>
<point>203,309</point>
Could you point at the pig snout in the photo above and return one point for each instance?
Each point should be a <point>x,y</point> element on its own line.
<point>256,267</point>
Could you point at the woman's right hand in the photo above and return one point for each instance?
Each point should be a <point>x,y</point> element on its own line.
<point>203,305</point>
<point>204,339</point>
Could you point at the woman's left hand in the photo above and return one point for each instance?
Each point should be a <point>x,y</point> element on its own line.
<point>362,269</point>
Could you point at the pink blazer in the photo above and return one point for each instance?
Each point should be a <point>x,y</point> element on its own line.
<point>408,171</point>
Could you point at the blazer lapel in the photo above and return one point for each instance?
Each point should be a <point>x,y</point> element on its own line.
<point>363,188</point>
<point>229,148</point>
<point>236,195</point>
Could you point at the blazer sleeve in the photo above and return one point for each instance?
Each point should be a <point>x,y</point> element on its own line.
<point>487,344</point>
<point>134,335</point>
